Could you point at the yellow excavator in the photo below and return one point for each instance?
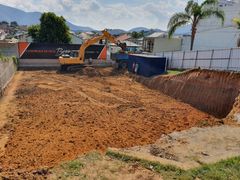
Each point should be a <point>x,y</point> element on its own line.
<point>67,61</point>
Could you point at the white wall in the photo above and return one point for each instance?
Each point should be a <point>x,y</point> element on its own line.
<point>219,59</point>
<point>9,49</point>
<point>186,42</point>
<point>76,40</point>
<point>217,39</point>
<point>212,35</point>
<point>166,44</point>
<point>7,71</point>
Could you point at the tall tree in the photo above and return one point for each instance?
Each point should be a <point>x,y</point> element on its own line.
<point>52,29</point>
<point>4,23</point>
<point>14,24</point>
<point>137,35</point>
<point>33,31</point>
<point>194,12</point>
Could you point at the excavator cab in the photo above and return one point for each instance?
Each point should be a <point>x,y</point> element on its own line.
<point>123,46</point>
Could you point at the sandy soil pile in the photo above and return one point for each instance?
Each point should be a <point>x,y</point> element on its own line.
<point>89,71</point>
<point>234,115</point>
<point>100,72</point>
<point>213,92</point>
<point>59,117</point>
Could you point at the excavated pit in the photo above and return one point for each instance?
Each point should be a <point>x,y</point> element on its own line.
<point>213,92</point>
<point>57,117</point>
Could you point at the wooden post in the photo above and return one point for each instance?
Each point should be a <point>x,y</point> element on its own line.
<point>229,59</point>
<point>195,65</point>
<point>210,66</point>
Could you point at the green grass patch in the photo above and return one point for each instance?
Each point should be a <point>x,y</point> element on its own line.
<point>7,59</point>
<point>92,157</point>
<point>165,170</point>
<point>72,168</point>
<point>174,72</point>
<point>226,169</point>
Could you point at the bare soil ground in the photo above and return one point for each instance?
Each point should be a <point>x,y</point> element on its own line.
<point>7,107</point>
<point>58,117</point>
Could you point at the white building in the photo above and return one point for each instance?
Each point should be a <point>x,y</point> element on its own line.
<point>2,34</point>
<point>75,39</point>
<point>159,42</point>
<point>131,47</point>
<point>212,35</point>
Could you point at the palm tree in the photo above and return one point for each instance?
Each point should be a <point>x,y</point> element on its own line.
<point>193,13</point>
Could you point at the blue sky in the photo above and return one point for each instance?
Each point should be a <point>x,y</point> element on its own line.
<point>100,14</point>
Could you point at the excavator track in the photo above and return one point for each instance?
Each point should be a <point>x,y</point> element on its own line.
<point>73,68</point>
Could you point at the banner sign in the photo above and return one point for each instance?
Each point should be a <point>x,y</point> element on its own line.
<point>53,51</point>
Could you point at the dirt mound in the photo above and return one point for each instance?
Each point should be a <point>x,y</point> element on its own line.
<point>213,92</point>
<point>234,115</point>
<point>100,72</point>
<point>58,117</point>
<point>89,71</point>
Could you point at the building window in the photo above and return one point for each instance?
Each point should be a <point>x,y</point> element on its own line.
<point>148,45</point>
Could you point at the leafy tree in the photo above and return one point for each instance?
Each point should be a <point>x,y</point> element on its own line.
<point>137,35</point>
<point>52,29</point>
<point>237,22</point>
<point>193,13</point>
<point>4,23</point>
<point>14,24</point>
<point>33,31</point>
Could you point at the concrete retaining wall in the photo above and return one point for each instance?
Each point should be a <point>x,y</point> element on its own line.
<point>9,49</point>
<point>53,64</point>
<point>7,71</point>
<point>29,64</point>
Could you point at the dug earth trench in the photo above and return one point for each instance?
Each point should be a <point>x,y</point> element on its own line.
<point>214,92</point>
<point>61,116</point>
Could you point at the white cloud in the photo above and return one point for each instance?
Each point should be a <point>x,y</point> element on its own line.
<point>96,14</point>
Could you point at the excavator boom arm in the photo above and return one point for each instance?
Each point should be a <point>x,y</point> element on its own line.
<point>67,61</point>
<point>105,35</point>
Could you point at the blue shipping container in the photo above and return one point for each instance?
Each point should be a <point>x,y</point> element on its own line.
<point>146,65</point>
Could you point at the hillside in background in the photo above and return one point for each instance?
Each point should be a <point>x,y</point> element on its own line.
<point>139,29</point>
<point>29,18</point>
<point>10,14</point>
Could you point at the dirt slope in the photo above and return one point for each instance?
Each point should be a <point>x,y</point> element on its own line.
<point>61,116</point>
<point>213,92</point>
